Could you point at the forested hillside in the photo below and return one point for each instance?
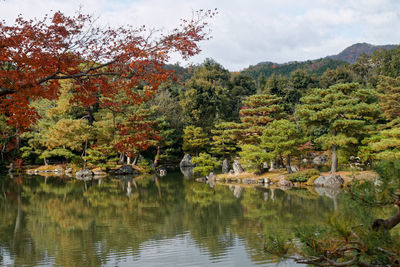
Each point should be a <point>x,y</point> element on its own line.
<point>91,113</point>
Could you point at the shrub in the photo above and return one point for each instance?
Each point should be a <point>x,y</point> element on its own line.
<point>205,164</point>
<point>303,176</point>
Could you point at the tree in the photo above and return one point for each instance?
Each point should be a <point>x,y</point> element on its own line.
<point>253,157</point>
<point>282,138</point>
<point>36,55</point>
<point>195,140</point>
<point>240,87</point>
<point>223,143</point>
<point>350,240</point>
<point>205,163</point>
<point>257,112</point>
<point>345,111</point>
<point>389,97</point>
<point>206,93</point>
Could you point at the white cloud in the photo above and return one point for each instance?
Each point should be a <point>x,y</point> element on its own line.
<point>247,32</point>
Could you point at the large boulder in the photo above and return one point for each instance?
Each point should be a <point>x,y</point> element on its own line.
<point>186,161</point>
<point>84,174</point>
<point>319,160</point>
<point>331,181</point>
<point>225,166</point>
<point>237,168</point>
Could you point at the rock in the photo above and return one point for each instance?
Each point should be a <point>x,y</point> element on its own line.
<point>284,183</point>
<point>186,161</point>
<point>58,170</point>
<point>125,169</point>
<point>201,180</point>
<point>162,171</point>
<point>225,166</point>
<point>187,171</point>
<point>84,174</point>
<point>238,180</point>
<point>237,168</point>
<point>237,192</point>
<point>231,172</point>
<point>99,172</point>
<point>319,160</point>
<point>211,177</point>
<point>69,170</point>
<point>260,181</point>
<point>267,180</point>
<point>294,168</point>
<point>246,181</point>
<point>332,181</point>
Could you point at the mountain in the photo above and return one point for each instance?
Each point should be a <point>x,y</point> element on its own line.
<point>351,53</point>
<point>317,66</point>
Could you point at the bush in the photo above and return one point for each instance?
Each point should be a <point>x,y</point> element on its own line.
<point>303,176</point>
<point>205,164</point>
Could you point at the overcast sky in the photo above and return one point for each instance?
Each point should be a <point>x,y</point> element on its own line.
<point>246,32</point>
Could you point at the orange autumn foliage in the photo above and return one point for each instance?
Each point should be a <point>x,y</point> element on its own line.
<point>36,54</point>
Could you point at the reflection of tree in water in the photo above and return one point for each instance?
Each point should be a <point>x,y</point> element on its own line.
<point>82,225</point>
<point>208,214</point>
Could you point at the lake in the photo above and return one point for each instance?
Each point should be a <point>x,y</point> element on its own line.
<point>149,221</point>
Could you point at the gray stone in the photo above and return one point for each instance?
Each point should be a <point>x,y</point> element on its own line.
<point>125,169</point>
<point>201,179</point>
<point>284,183</point>
<point>260,181</point>
<point>237,168</point>
<point>246,181</point>
<point>59,170</point>
<point>231,172</point>
<point>69,170</point>
<point>84,174</point>
<point>211,177</point>
<point>267,180</point>
<point>162,171</point>
<point>294,168</point>
<point>238,180</point>
<point>319,160</point>
<point>186,161</point>
<point>332,181</point>
<point>225,166</point>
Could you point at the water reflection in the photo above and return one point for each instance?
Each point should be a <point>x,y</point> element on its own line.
<point>147,220</point>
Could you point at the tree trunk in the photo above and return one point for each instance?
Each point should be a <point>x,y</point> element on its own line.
<point>334,159</point>
<point>136,159</point>
<point>388,223</point>
<point>288,167</point>
<point>128,160</point>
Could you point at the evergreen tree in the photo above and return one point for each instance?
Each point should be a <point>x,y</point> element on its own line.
<point>257,112</point>
<point>195,140</point>
<point>282,138</point>
<point>205,163</point>
<point>345,111</point>
<point>223,143</point>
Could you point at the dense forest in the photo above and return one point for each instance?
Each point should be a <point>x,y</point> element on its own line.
<point>264,113</point>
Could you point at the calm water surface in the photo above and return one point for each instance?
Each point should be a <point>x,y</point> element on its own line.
<point>148,221</point>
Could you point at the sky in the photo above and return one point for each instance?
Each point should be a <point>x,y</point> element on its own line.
<point>244,32</point>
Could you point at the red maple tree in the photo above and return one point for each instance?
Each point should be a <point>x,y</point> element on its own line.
<point>36,54</point>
